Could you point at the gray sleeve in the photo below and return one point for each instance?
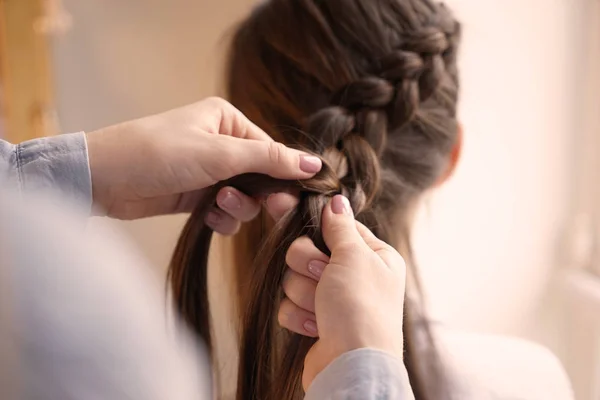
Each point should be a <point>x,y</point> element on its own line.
<point>82,315</point>
<point>58,163</point>
<point>363,374</point>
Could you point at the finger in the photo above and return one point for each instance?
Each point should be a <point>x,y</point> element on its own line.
<point>300,290</point>
<point>279,204</point>
<point>306,259</point>
<point>364,232</point>
<point>237,204</point>
<point>221,222</point>
<point>387,253</point>
<point>369,237</point>
<point>269,158</point>
<point>338,225</point>
<point>187,202</point>
<point>297,320</point>
<point>235,123</point>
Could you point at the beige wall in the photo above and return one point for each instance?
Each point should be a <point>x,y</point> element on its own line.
<point>489,238</point>
<point>125,59</point>
<point>486,241</point>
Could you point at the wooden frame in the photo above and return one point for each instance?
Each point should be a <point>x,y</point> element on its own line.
<point>3,67</point>
<point>25,72</point>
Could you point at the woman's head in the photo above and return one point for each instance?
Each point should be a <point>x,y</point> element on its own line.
<point>377,78</point>
<point>371,87</point>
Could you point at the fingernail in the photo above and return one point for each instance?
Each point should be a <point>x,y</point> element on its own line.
<point>316,268</point>
<point>311,327</point>
<point>341,205</point>
<point>230,202</point>
<point>213,218</point>
<point>310,164</point>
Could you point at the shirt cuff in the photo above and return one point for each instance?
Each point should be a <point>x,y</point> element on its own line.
<point>364,374</point>
<point>58,163</point>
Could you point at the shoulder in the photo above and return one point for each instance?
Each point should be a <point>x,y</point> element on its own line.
<point>502,368</point>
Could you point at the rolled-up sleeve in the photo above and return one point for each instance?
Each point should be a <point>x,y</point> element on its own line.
<point>363,374</point>
<point>58,163</point>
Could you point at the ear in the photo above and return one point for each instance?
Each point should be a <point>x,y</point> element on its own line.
<point>453,157</point>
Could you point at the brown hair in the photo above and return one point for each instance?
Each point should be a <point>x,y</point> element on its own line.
<point>371,87</point>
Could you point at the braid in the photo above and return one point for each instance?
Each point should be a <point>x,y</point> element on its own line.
<point>370,86</point>
<point>365,110</point>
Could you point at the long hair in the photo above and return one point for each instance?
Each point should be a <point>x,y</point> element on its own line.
<point>371,87</point>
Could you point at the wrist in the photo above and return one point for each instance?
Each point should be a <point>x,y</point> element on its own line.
<point>351,369</point>
<point>101,193</point>
<point>382,334</point>
<point>394,348</point>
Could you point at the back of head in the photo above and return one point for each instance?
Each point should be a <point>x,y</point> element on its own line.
<point>371,87</point>
<point>382,73</point>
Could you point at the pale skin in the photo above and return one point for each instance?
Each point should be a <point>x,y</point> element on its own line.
<point>351,300</point>
<point>164,163</point>
<point>352,297</point>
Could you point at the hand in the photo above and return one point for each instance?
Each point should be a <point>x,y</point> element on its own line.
<point>161,164</point>
<point>350,301</point>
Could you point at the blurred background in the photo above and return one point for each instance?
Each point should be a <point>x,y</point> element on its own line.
<point>508,246</point>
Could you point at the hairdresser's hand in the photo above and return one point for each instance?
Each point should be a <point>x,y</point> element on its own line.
<point>162,164</point>
<point>350,301</point>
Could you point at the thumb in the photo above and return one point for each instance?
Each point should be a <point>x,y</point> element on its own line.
<point>269,158</point>
<point>338,225</point>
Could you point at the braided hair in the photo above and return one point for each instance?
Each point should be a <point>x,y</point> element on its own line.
<point>370,86</point>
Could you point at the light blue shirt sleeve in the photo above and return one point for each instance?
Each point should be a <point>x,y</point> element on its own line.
<point>59,164</point>
<point>363,374</point>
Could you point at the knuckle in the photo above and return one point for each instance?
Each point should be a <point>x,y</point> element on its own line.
<point>216,101</point>
<point>251,210</point>
<point>346,247</point>
<point>394,260</point>
<point>399,263</point>
<point>342,229</point>
<point>290,285</point>
<point>282,317</point>
<point>399,260</point>
<point>276,152</point>
<point>286,278</point>
<point>228,226</point>
<point>285,308</point>
<point>234,228</point>
<point>394,255</point>
<point>297,249</point>
<point>292,253</point>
